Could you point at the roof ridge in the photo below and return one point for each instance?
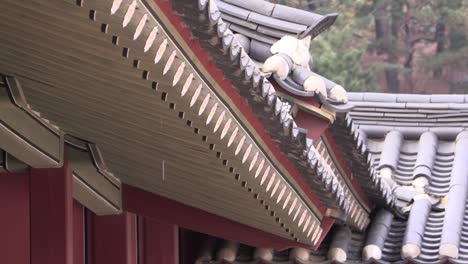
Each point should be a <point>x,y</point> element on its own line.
<point>406,98</point>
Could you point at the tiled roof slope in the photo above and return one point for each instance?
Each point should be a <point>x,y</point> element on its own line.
<point>375,113</point>
<point>417,152</point>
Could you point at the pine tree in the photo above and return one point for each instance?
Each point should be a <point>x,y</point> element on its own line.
<point>414,39</point>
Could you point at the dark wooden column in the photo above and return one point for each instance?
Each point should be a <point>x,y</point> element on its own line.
<point>51,216</point>
<point>14,220</point>
<point>159,242</point>
<point>113,239</point>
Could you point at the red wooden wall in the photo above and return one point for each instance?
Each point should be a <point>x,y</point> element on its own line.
<point>40,223</point>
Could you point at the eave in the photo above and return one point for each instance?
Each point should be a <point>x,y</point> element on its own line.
<point>105,89</point>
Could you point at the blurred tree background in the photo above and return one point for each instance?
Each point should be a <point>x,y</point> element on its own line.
<point>397,46</point>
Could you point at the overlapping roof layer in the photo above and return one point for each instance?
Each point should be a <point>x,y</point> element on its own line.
<point>417,165</point>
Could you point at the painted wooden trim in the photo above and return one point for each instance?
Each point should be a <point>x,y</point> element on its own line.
<point>93,185</point>
<point>27,135</point>
<point>24,134</point>
<point>280,218</point>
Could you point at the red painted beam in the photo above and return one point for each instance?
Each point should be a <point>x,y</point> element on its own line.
<point>113,239</point>
<point>171,212</point>
<point>14,219</point>
<point>326,225</point>
<point>51,216</point>
<point>159,242</point>
<point>315,126</point>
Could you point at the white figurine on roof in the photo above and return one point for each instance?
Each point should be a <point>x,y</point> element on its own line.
<point>291,56</point>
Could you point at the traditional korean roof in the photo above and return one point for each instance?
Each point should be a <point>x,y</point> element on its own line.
<point>156,108</point>
<point>416,150</point>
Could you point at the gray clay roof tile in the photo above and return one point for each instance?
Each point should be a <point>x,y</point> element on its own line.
<point>252,34</point>
<point>258,6</point>
<point>232,10</point>
<point>273,32</point>
<point>276,23</point>
<point>241,22</point>
<point>296,15</point>
<point>432,143</point>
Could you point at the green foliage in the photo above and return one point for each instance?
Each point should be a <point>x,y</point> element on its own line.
<point>451,13</point>
<point>419,39</point>
<point>338,53</point>
<point>342,65</point>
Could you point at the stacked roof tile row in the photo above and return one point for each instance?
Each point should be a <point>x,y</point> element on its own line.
<point>418,148</point>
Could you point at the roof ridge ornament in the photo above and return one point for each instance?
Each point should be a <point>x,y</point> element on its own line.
<point>290,62</point>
